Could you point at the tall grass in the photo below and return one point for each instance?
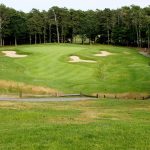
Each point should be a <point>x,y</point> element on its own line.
<point>8,87</point>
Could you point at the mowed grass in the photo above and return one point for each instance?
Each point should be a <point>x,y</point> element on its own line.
<point>83,125</point>
<point>47,65</point>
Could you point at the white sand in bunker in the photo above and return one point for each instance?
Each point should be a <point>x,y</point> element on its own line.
<point>75,59</point>
<point>127,53</point>
<point>103,54</point>
<point>13,54</point>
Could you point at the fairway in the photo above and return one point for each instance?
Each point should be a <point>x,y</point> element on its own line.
<point>83,125</point>
<point>125,70</point>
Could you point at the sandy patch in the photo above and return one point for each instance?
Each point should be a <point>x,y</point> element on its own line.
<point>103,54</point>
<point>145,54</point>
<point>13,54</point>
<point>75,59</point>
<point>127,53</point>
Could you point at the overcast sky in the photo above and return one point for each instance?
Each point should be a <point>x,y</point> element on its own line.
<point>27,5</point>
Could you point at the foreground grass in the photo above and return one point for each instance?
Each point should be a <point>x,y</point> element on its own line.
<point>48,66</point>
<point>98,125</point>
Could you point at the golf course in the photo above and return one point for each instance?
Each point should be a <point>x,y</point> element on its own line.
<point>99,124</point>
<point>74,75</point>
<point>121,70</point>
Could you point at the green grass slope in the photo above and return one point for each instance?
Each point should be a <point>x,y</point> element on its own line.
<point>47,65</point>
<point>85,125</point>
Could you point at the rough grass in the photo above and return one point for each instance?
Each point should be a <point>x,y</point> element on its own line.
<point>99,125</point>
<point>128,95</point>
<point>14,87</point>
<point>47,65</point>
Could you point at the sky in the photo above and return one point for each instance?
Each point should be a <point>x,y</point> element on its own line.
<point>27,5</point>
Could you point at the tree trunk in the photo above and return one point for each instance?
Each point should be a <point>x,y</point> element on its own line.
<point>30,38</point>
<point>137,35</point>
<point>50,36</point>
<point>148,39</point>
<point>0,31</point>
<point>40,38</point>
<point>108,36</point>
<point>44,35</point>
<point>15,41</point>
<point>94,40</point>
<point>57,33</point>
<point>108,27</point>
<point>72,38</point>
<point>82,39</point>
<point>3,42</point>
<point>35,38</point>
<point>64,38</point>
<point>72,35</point>
<point>90,41</point>
<point>57,29</point>
<point>140,39</point>
<point>62,34</point>
<point>75,39</point>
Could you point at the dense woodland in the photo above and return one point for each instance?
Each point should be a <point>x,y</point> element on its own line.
<point>129,26</point>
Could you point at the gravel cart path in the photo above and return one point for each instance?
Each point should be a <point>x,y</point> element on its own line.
<point>54,99</point>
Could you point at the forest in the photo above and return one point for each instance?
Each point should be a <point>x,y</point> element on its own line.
<point>126,26</point>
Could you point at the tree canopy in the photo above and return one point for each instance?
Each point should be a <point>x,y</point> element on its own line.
<point>128,26</point>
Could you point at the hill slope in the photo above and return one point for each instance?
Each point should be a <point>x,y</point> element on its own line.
<point>48,65</point>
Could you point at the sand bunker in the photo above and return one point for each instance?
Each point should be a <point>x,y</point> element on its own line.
<point>13,54</point>
<point>103,54</point>
<point>75,59</point>
<point>127,53</point>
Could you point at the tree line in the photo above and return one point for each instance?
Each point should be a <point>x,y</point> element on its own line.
<point>129,26</point>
